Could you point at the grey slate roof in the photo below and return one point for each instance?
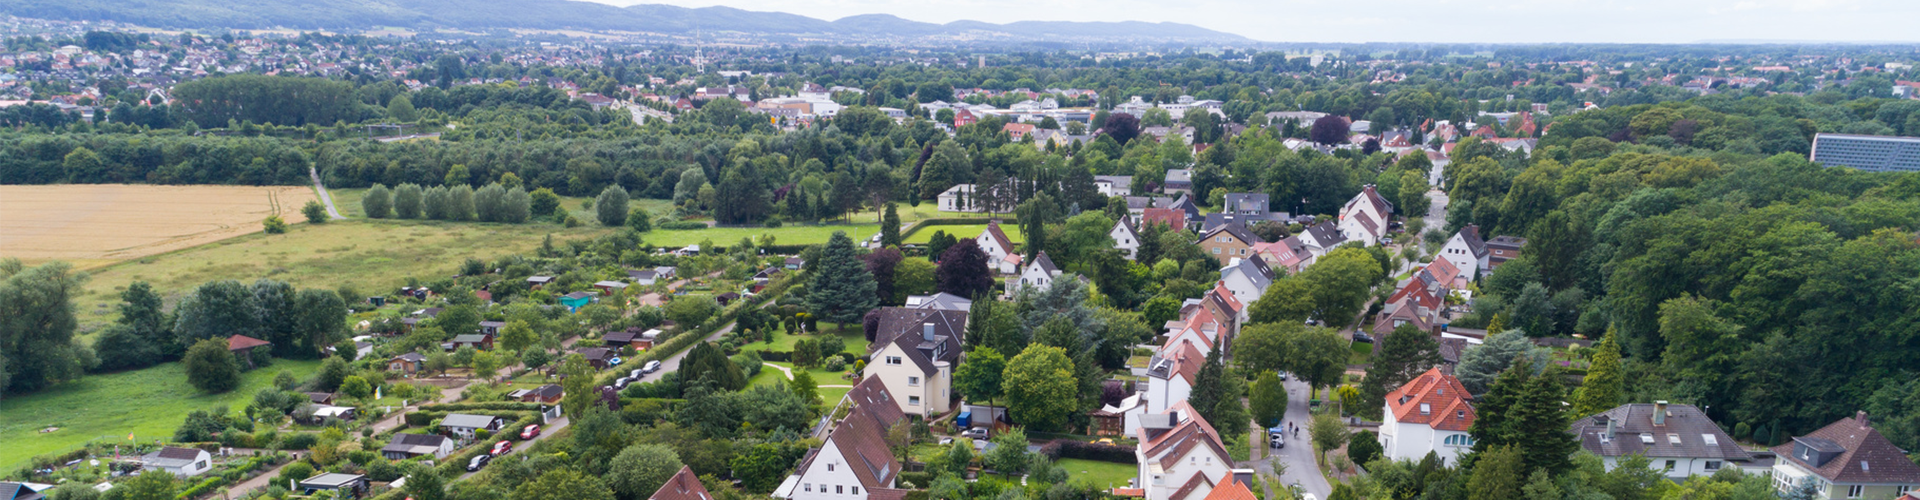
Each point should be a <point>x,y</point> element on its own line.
<point>468,421</point>
<point>1634,422</point>
<point>1864,457</point>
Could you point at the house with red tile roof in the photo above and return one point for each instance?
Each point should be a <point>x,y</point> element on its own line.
<point>1847,459</point>
<point>1233,489</point>
<point>1431,413</point>
<point>1173,218</point>
<point>853,462</point>
<point>999,248</point>
<point>1421,303</point>
<point>684,485</point>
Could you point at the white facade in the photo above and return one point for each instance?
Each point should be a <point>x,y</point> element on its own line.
<point>1125,239</point>
<point>917,392</point>
<point>1034,275</point>
<point>830,477</point>
<point>1400,440</point>
<point>1162,479</point>
<point>1163,393</point>
<point>1355,230</point>
<point>1245,288</point>
<point>183,462</point>
<point>1461,255</point>
<point>997,255</point>
<point>959,198</point>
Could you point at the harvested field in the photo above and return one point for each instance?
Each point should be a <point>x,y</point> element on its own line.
<point>91,225</point>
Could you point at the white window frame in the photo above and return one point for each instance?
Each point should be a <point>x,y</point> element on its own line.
<point>913,381</point>
<point>913,400</point>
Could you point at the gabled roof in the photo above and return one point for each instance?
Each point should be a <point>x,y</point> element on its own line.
<point>1471,236</point>
<point>1868,457</point>
<point>468,420</point>
<point>999,237</point>
<point>1223,298</point>
<point>1126,224</point>
<point>1190,431</point>
<point>1370,196</point>
<point>1442,397</point>
<point>1255,269</point>
<point>860,439</point>
<point>1231,490</point>
<point>910,323</point>
<point>1183,361</point>
<point>1367,222</point>
<point>870,396</point>
<point>1194,483</point>
<point>17,491</point>
<point>1442,271</point>
<point>1686,423</point>
<point>1326,235</point>
<point>415,444</point>
<point>1045,264</point>
<point>238,342</point>
<point>412,357</point>
<point>595,353</point>
<point>682,486</point>
<point>1239,231</point>
<point>172,457</point>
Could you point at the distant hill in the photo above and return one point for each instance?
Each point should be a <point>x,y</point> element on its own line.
<point>561,14</point>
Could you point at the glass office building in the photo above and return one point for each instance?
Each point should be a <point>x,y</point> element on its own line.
<point>1872,153</point>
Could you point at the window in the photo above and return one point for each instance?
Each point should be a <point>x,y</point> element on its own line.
<point>915,381</point>
<point>1216,250</point>
<point>1713,465</point>
<point>1902,489</point>
<point>1425,409</point>
<point>839,489</point>
<point>1670,465</point>
<point>1673,439</point>
<point>1855,491</point>
<point>808,487</point>
<point>1711,441</point>
<point>829,467</point>
<point>893,360</point>
<point>856,490</point>
<point>913,400</point>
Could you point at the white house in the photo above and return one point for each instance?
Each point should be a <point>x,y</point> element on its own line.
<point>1113,185</point>
<point>1848,458</point>
<point>1247,278</point>
<point>1466,251</point>
<point>1428,414</point>
<point>1364,217</point>
<point>1125,237</point>
<point>1181,457</point>
<point>1678,440</point>
<point>1039,273</point>
<point>1170,376</point>
<point>183,462</point>
<point>1321,238</point>
<point>465,425</point>
<point>405,446</point>
<point>914,354</point>
<point>853,461</point>
<point>959,198</point>
<point>999,249</point>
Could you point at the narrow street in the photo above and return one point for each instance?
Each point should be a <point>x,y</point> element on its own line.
<point>1297,457</point>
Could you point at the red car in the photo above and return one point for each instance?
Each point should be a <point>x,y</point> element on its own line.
<point>502,447</point>
<point>530,432</point>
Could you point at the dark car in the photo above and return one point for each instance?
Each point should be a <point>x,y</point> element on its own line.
<point>1361,337</point>
<point>478,462</point>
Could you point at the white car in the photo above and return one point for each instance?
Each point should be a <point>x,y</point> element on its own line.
<point>651,366</point>
<point>974,433</point>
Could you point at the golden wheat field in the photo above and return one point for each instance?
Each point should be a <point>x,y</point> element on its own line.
<point>91,225</point>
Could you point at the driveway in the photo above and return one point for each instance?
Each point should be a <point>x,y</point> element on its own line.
<point>1298,455</point>
<point>546,430</point>
<point>673,362</point>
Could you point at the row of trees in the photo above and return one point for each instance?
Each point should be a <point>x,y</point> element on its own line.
<point>492,203</point>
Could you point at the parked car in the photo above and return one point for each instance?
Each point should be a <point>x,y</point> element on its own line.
<point>502,447</point>
<point>532,431</point>
<point>650,367</point>
<point>974,433</point>
<point>637,373</point>
<point>1277,440</point>
<point>622,383</point>
<point>478,462</point>
<point>1361,337</point>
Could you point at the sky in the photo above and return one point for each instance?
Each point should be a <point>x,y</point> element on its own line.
<point>1491,21</point>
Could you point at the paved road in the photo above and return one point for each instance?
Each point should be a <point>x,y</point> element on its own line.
<point>324,197</point>
<point>673,362</point>
<point>546,430</point>
<point>1298,455</point>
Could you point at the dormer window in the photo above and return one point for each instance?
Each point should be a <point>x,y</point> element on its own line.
<point>1646,438</point>
<point>1710,440</point>
<point>1425,409</point>
<point>1460,414</point>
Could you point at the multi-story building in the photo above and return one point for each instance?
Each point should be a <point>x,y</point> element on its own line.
<point>1873,153</point>
<point>1430,414</point>
<point>1846,459</point>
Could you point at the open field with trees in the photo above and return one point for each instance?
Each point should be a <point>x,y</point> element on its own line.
<point>97,224</point>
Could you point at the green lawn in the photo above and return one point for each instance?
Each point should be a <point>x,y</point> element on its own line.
<point>968,231</point>
<point>784,235</point>
<point>1362,353</point>
<point>150,403</point>
<point>855,340</point>
<point>1098,474</point>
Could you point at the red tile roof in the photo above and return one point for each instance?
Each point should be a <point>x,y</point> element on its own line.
<point>1231,490</point>
<point>999,237</point>
<point>682,486</point>
<point>1443,397</point>
<point>1172,217</point>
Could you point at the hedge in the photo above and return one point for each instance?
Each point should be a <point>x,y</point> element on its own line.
<point>1009,220</point>
<point>483,405</point>
<point>424,418</point>
<point>684,339</point>
<point>1071,448</point>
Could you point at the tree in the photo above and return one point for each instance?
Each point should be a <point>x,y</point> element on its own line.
<point>565,484</point>
<point>211,367</point>
<point>1009,457</point>
<point>1526,411</point>
<point>215,309</point>
<point>842,290</point>
<point>639,220</point>
<point>890,226</point>
<point>1286,300</point>
<point>1269,400</point>
<point>1340,282</point>
<point>314,212</point>
<point>1480,364</point>
<point>611,207</point>
<point>273,224</point>
<point>356,387</point>
<point>518,335</point>
<point>1404,354</point>
<point>912,277</point>
<point>141,336</point>
<point>148,487</point>
<point>1604,385</point>
<point>963,270</point>
<point>425,483</point>
<point>1497,474</point>
<point>803,386</point>
<point>980,377</point>
<point>705,362</point>
<point>1328,431</point>
<point>1208,387</point>
<point>640,469</point>
<point>543,202</point>
<point>319,318</point>
<point>1040,387</point>
<point>1121,127</point>
<point>1329,130</point>
<point>406,201</point>
<point>377,203</point>
<point>882,264</point>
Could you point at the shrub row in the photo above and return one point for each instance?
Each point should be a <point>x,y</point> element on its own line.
<point>1071,448</point>
<point>681,225</point>
<point>483,405</point>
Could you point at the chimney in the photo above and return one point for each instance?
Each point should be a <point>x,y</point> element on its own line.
<point>1610,428</point>
<point>1861,416</point>
<point>1660,412</point>
<point>926,331</point>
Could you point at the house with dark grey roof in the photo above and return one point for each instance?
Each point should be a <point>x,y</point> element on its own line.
<point>1467,251</point>
<point>942,301</point>
<point>914,352</point>
<point>1501,249</point>
<point>1322,238</point>
<point>407,363</point>
<point>1229,241</point>
<point>405,446</point>
<point>346,485</point>
<point>464,425</point>
<point>1039,273</point>
<point>1678,440</point>
<point>18,491</point>
<point>1126,237</point>
<point>1178,181</point>
<point>1247,277</point>
<point>1847,459</point>
<point>183,462</point>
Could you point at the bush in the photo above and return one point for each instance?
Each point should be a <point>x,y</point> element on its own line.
<point>836,364</point>
<point>1364,447</point>
<point>298,441</point>
<point>681,225</point>
<point>274,225</point>
<point>918,479</point>
<point>1073,448</point>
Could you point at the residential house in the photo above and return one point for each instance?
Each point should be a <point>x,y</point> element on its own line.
<point>1847,459</point>
<point>1247,278</point>
<point>1173,218</point>
<point>853,462</point>
<point>684,485</point>
<point>183,462</point>
<point>1501,249</point>
<point>960,198</point>
<point>999,248</point>
<point>1229,241</point>
<point>535,282</point>
<point>1235,488</point>
<point>1178,181</point>
<point>1017,131</point>
<point>1113,185</point>
<point>793,263</point>
<point>1125,237</point>
<point>1429,414</point>
<point>914,353</point>
<point>609,287</point>
<point>631,337</point>
<point>1322,238</point>
<point>1180,455</point>
<point>407,363</point>
<point>1289,253</point>
<point>1678,440</point>
<point>1184,203</point>
<point>1170,375</point>
<point>1467,252</point>
<point>344,485</point>
<point>242,348</point>
<point>1364,218</point>
<point>1421,303</point>
<point>1250,207</point>
<point>1446,275</point>
<point>464,425</point>
<point>963,117</point>
<point>650,276</point>
<point>1137,205</point>
<point>405,446</point>
<point>942,301</point>
<point>546,394</point>
<point>1039,273</point>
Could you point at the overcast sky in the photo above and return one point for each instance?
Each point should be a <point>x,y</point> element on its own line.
<point>1514,21</point>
